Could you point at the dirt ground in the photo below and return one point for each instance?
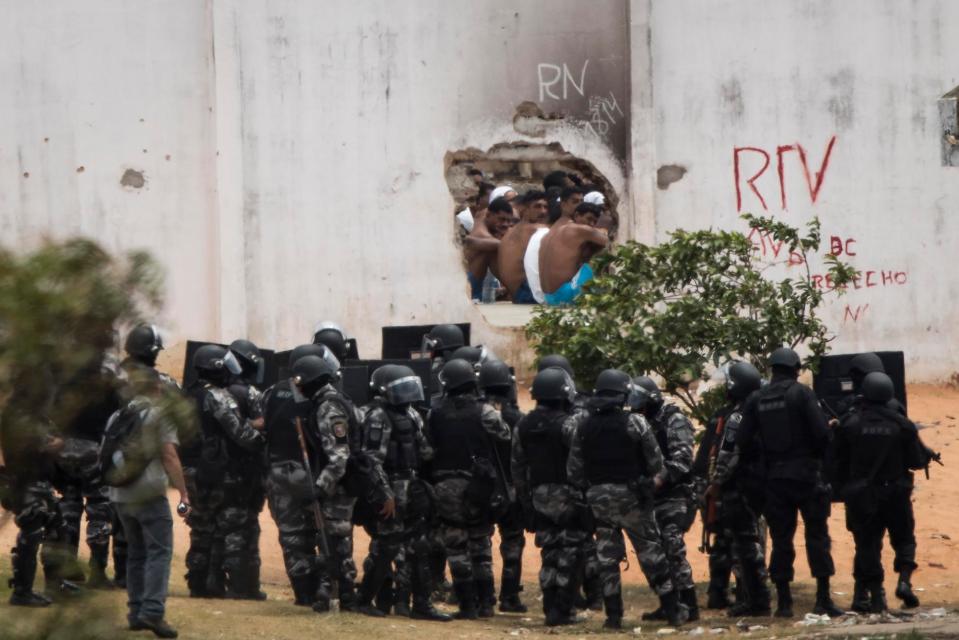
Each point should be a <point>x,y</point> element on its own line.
<point>935,408</point>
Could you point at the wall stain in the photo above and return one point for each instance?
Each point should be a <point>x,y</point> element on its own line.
<point>731,93</point>
<point>841,104</point>
<point>668,174</point>
<point>133,178</point>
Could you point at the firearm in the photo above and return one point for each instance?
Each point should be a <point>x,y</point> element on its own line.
<point>710,512</point>
<point>314,505</point>
<point>832,412</point>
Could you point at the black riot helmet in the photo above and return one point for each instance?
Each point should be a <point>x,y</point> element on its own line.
<point>552,384</point>
<point>742,379</point>
<point>215,363</point>
<point>250,359</point>
<point>312,373</point>
<point>786,359</point>
<point>862,365</point>
<point>333,336</point>
<point>402,387</point>
<point>443,339</point>
<point>646,396</point>
<point>306,350</point>
<point>476,356</point>
<point>458,376</point>
<point>381,376</point>
<point>877,388</point>
<point>495,377</point>
<point>613,382</point>
<point>144,343</point>
<point>556,360</point>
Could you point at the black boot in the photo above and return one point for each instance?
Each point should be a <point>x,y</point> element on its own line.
<point>877,603</point>
<point>904,590</point>
<point>244,584</point>
<point>421,586</point>
<point>466,596</point>
<point>485,597</point>
<point>655,614</point>
<point>614,612</point>
<point>99,556</point>
<point>385,598</point>
<point>119,569</point>
<point>509,601</point>
<point>824,604</point>
<point>24,572</point>
<point>304,589</point>
<point>688,598</point>
<point>784,600</point>
<point>676,613</point>
<point>562,608</point>
<point>716,599</point>
<point>593,588</point>
<point>755,596</point>
<point>860,598</point>
<point>376,584</point>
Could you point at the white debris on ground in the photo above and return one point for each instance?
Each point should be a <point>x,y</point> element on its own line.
<point>811,619</point>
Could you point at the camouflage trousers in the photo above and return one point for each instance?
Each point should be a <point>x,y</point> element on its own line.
<point>561,539</point>
<point>296,525</point>
<point>79,496</point>
<point>206,501</point>
<point>512,541</point>
<point>617,510</point>
<point>468,545</point>
<point>740,530</point>
<point>338,518</point>
<point>672,516</point>
<point>39,522</point>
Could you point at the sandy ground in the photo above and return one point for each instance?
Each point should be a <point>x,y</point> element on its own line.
<point>934,408</point>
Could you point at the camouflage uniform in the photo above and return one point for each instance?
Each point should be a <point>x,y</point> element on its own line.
<point>737,519</point>
<point>82,407</point>
<point>214,475</point>
<point>674,505</point>
<point>335,419</point>
<point>396,440</point>
<point>466,527</point>
<point>620,507</point>
<point>34,505</point>
<point>512,535</point>
<point>253,470</point>
<point>556,508</point>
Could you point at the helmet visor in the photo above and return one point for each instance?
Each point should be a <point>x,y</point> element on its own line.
<point>405,390</point>
<point>638,398</point>
<point>331,360</point>
<point>232,364</point>
<point>259,372</point>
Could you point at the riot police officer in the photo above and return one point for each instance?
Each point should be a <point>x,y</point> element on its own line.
<point>337,426</point>
<point>782,423</point>
<point>333,337</point>
<point>286,411</point>
<point>553,508</point>
<point>674,504</point>
<point>730,485</point>
<point>469,487</point>
<point>143,344</point>
<point>616,459</point>
<point>393,433</point>
<point>214,468</point>
<point>439,344</point>
<point>874,449</point>
<point>589,574</point>
<point>498,386</point>
<point>29,449</point>
<point>244,389</point>
<point>82,407</point>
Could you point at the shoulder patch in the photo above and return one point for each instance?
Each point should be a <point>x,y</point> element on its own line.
<point>340,428</point>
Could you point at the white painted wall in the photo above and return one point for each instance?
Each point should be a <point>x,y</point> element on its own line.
<point>110,86</point>
<point>306,143</point>
<point>763,74</point>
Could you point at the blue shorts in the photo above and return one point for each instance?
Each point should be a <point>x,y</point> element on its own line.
<point>476,286</point>
<point>570,290</point>
<point>524,295</point>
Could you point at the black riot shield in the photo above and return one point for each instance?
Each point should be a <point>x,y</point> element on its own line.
<point>405,342</point>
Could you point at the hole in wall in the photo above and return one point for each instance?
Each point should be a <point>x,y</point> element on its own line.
<point>522,166</point>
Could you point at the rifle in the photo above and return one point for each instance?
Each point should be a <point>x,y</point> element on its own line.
<point>710,512</point>
<point>314,505</point>
<point>934,456</point>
